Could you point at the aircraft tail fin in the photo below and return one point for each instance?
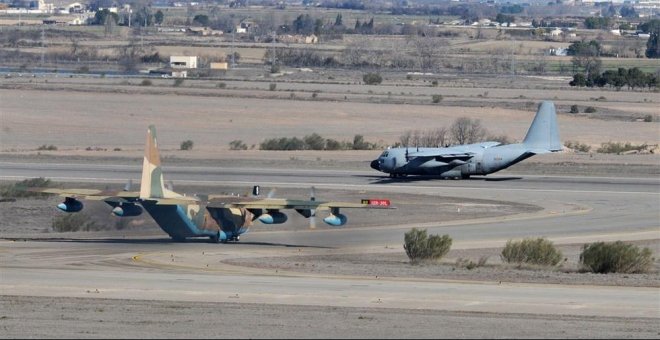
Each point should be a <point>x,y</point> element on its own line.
<point>152,184</point>
<point>543,134</point>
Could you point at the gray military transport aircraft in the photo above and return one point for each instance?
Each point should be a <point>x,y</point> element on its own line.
<point>462,161</point>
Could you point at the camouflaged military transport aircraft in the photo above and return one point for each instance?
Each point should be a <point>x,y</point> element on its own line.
<point>221,218</point>
<point>483,158</point>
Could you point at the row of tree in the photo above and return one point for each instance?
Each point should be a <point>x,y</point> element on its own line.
<point>315,142</point>
<point>633,78</point>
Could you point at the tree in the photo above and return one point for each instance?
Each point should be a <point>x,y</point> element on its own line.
<point>338,20</point>
<point>467,131</point>
<point>652,46</point>
<point>586,56</point>
<point>578,80</point>
<point>159,17</point>
<point>201,19</point>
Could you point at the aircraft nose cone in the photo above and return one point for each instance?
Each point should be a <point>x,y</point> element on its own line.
<point>374,165</point>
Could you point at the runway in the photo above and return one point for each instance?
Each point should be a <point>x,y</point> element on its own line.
<point>576,209</point>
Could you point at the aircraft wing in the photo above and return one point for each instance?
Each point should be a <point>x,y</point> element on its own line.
<point>113,196</point>
<point>279,203</point>
<point>91,194</point>
<point>441,155</point>
<point>451,153</point>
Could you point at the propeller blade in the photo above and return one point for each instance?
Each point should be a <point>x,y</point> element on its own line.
<point>128,185</point>
<point>170,186</point>
<point>271,193</point>
<point>312,217</point>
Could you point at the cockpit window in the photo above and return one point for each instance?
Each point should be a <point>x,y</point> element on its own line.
<point>384,154</point>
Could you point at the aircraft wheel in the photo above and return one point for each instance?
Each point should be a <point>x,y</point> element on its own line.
<point>465,176</point>
<point>215,238</point>
<point>178,239</point>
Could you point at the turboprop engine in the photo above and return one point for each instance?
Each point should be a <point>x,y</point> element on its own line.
<point>70,205</point>
<point>336,220</point>
<point>126,210</point>
<point>275,217</point>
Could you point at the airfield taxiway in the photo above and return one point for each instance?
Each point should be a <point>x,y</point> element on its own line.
<point>190,275</point>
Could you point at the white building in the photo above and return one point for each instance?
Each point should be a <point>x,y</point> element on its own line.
<point>183,62</point>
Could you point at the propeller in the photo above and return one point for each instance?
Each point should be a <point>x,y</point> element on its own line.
<point>128,185</point>
<point>312,216</point>
<point>271,193</point>
<point>170,186</point>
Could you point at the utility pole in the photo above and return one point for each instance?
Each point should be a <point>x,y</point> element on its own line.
<point>43,45</point>
<point>233,61</point>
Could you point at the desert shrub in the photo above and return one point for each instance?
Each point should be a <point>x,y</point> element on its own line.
<point>434,83</point>
<point>615,257</point>
<point>617,147</point>
<point>73,222</point>
<point>469,264</point>
<point>436,98</point>
<point>590,109</point>
<point>420,247</point>
<point>531,251</point>
<point>574,109</point>
<point>282,144</point>
<point>272,86</point>
<point>47,148</point>
<point>577,146</point>
<point>19,189</point>
<point>187,145</point>
<point>221,85</point>
<point>237,145</point>
<point>372,78</point>
<point>146,82</point>
<point>332,144</point>
<point>648,118</point>
<point>178,82</point>
<point>275,68</point>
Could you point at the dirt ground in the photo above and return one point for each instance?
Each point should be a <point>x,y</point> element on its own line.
<point>102,120</point>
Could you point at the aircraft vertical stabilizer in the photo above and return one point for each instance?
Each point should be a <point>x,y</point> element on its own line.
<point>152,185</point>
<point>543,134</point>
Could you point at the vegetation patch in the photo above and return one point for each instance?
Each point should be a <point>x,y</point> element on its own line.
<point>615,257</point>
<point>538,251</point>
<point>73,222</point>
<point>19,189</point>
<point>420,247</point>
<point>618,147</point>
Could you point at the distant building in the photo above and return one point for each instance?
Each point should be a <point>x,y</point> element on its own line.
<point>219,66</point>
<point>298,39</point>
<point>183,62</point>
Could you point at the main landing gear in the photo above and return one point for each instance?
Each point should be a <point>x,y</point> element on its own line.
<point>396,175</point>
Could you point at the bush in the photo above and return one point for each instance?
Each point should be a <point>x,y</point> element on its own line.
<point>616,147</point>
<point>146,82</point>
<point>47,148</point>
<point>648,118</point>
<point>178,82</point>
<point>436,98</point>
<point>19,189</point>
<point>187,145</point>
<point>577,146</point>
<point>590,109</point>
<point>272,86</point>
<point>372,79</point>
<point>237,145</point>
<point>73,222</point>
<point>419,247</point>
<point>531,251</point>
<point>222,85</point>
<point>615,257</point>
<point>574,109</point>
